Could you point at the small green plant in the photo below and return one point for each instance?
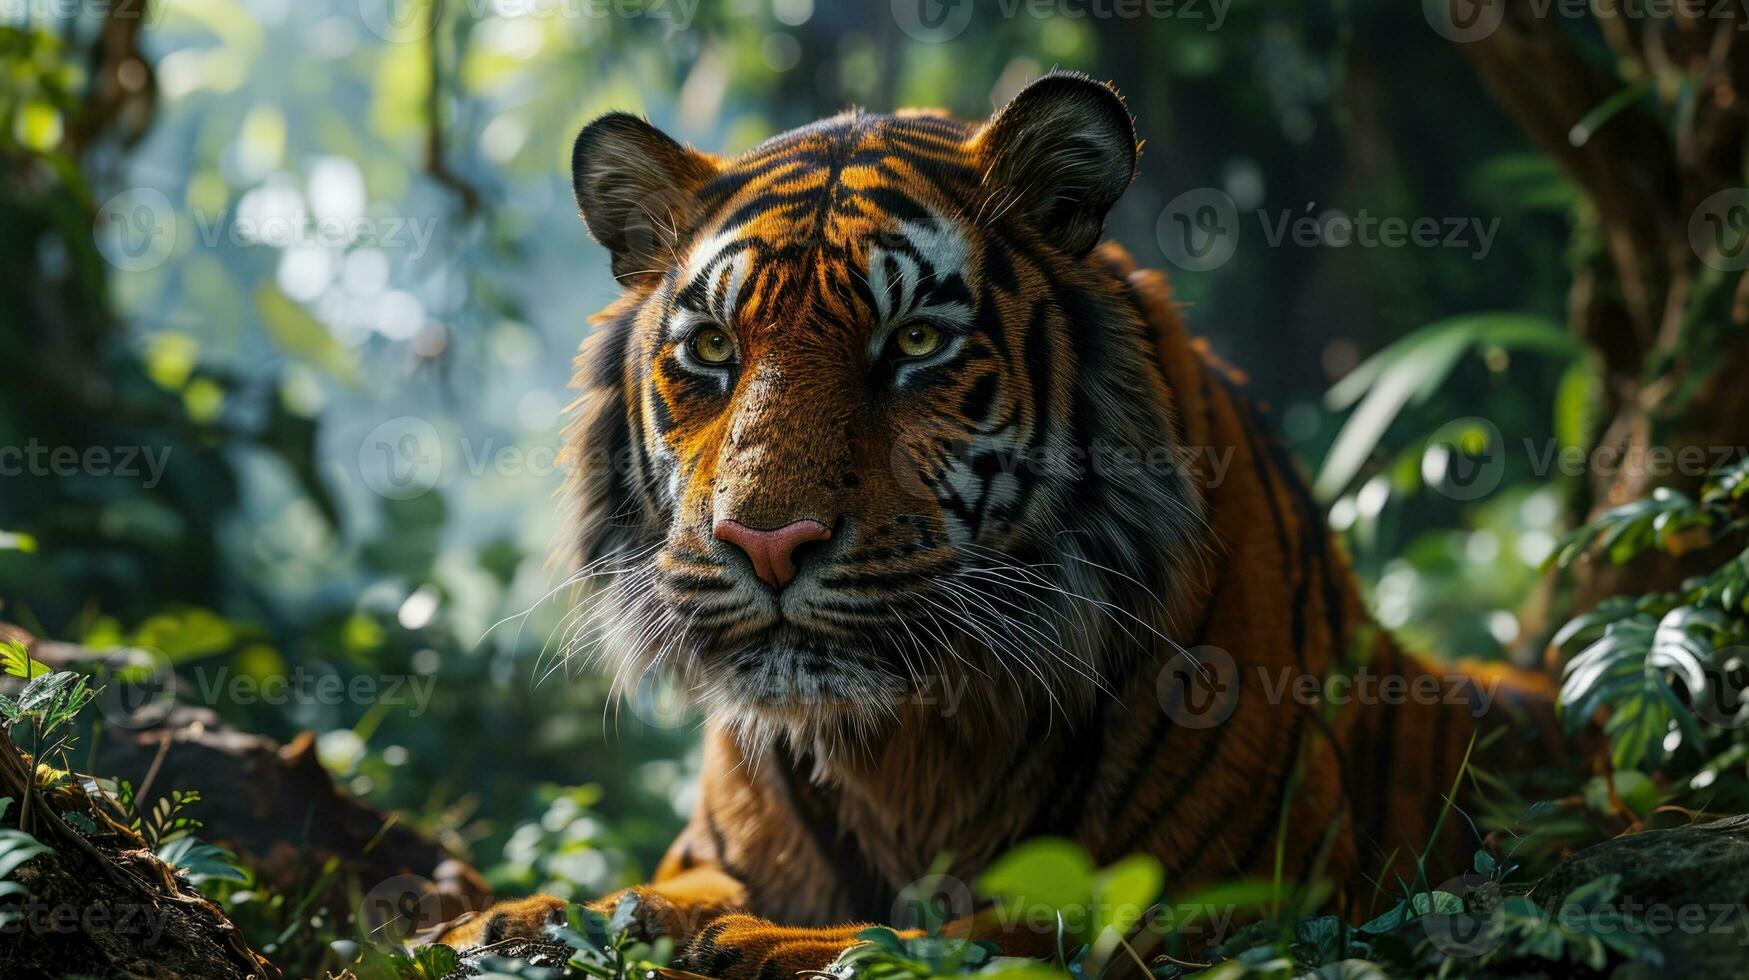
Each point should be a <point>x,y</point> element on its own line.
<point>1667,668</point>
<point>1585,931</point>
<point>432,962</point>
<point>48,704</point>
<point>16,847</point>
<point>599,947</point>
<point>885,955</point>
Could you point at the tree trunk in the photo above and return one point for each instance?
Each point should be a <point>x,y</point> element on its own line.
<point>1659,295</point>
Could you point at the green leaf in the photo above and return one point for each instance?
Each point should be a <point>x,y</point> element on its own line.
<point>17,847</point>
<point>15,661</point>
<point>44,688</point>
<point>1626,670</point>
<point>1437,903</point>
<point>1609,668</point>
<point>1409,372</point>
<point>585,930</point>
<point>186,634</point>
<point>625,913</point>
<point>1729,483</point>
<point>1126,890</point>
<point>883,938</point>
<point>1595,893</point>
<point>436,961</point>
<point>1584,629</point>
<point>203,862</point>
<point>1046,872</point>
<point>1324,934</point>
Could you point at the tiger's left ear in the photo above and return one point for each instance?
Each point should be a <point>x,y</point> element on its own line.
<point>1066,148</point>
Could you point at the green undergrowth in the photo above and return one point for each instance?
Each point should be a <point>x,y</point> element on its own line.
<point>1659,676</point>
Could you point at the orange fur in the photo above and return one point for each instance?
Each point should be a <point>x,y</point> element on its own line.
<point>817,809</point>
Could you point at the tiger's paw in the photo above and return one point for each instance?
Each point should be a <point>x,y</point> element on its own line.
<point>746,947</point>
<point>522,918</point>
<point>532,919</point>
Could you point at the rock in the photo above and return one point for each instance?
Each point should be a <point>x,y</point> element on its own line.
<point>1689,885</point>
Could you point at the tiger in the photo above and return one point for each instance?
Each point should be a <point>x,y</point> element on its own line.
<point>878,417</point>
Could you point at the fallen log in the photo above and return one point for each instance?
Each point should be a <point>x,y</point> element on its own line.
<point>276,808</point>
<point>99,902</point>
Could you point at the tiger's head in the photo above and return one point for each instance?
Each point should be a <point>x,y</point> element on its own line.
<point>872,416</point>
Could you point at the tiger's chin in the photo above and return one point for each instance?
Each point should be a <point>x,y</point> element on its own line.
<point>802,686</point>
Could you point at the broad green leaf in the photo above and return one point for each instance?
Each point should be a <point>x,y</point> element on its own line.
<point>185,634</point>
<point>1126,890</point>
<point>1047,873</point>
<point>1409,372</point>
<point>17,847</point>
<point>436,961</point>
<point>16,662</point>
<point>202,861</point>
<point>44,688</point>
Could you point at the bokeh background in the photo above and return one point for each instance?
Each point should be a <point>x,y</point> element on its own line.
<point>320,259</point>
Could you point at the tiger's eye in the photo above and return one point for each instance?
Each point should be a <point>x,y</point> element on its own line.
<point>712,345</point>
<point>918,339</point>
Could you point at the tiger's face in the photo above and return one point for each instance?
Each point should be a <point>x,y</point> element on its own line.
<point>862,385</point>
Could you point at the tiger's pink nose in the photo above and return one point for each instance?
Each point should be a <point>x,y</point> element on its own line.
<point>772,552</point>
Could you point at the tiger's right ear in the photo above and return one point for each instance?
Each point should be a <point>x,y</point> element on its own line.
<point>635,189</point>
